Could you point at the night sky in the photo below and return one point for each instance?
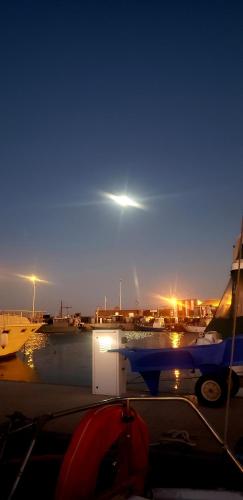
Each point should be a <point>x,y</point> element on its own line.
<point>136,97</point>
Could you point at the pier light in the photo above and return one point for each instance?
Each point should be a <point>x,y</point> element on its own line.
<point>33,279</point>
<point>173,301</point>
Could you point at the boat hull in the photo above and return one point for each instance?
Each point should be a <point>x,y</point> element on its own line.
<point>15,337</point>
<point>151,329</point>
<point>194,328</point>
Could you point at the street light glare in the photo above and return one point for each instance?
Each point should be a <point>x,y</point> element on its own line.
<point>33,278</point>
<point>123,200</point>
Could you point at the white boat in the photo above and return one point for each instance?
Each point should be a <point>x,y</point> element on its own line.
<point>196,326</point>
<point>158,325</point>
<point>15,329</point>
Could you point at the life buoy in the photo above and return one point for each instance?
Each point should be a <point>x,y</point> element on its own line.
<point>96,433</point>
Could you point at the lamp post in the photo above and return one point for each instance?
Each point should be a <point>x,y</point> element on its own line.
<point>175,308</point>
<point>120,294</point>
<point>33,300</point>
<point>34,279</point>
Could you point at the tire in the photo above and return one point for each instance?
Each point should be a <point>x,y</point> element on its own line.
<point>211,390</point>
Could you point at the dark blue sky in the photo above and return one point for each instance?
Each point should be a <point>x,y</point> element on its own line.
<point>112,96</point>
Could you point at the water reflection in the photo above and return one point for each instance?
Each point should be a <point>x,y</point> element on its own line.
<point>15,369</point>
<point>36,341</point>
<point>177,379</point>
<point>175,339</point>
<point>67,358</point>
<point>155,340</point>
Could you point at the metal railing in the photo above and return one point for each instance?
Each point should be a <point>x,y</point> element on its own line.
<point>23,313</point>
<point>40,422</point>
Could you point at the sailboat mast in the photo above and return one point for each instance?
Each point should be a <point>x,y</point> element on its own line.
<point>235,301</point>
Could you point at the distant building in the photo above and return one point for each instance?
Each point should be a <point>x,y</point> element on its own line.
<point>182,309</point>
<point>117,315</point>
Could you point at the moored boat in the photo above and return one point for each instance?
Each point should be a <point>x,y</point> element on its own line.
<point>158,325</point>
<point>15,329</point>
<point>196,326</point>
<point>231,303</point>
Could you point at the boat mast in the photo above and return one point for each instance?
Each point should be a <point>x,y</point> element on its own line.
<point>235,302</point>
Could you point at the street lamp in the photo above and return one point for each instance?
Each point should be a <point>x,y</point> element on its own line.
<point>120,294</point>
<point>34,279</point>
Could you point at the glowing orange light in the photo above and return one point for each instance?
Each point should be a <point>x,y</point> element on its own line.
<point>173,301</point>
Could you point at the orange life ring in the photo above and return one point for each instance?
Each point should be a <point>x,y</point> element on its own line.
<point>92,439</point>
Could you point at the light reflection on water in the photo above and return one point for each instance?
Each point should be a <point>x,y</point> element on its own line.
<point>67,358</point>
<point>159,339</point>
<point>177,379</point>
<point>175,339</point>
<point>35,342</point>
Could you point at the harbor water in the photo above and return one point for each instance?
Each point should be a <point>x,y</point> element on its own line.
<point>66,359</point>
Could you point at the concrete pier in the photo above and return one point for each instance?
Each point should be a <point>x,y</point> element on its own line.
<point>35,399</point>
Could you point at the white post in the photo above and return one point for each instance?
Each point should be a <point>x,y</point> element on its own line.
<point>120,294</point>
<point>33,302</point>
<point>176,312</point>
<point>105,302</point>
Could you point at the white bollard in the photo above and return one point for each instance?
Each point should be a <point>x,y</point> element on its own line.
<point>108,368</point>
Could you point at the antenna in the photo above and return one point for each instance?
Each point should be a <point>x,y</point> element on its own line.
<point>64,307</point>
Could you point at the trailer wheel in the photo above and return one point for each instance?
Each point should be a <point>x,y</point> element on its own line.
<point>211,390</point>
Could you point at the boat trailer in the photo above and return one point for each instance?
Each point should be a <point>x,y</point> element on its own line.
<point>213,361</point>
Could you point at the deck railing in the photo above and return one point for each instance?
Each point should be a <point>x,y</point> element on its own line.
<point>23,313</point>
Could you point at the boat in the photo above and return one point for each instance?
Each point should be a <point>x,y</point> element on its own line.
<point>111,454</point>
<point>158,325</point>
<point>196,325</point>
<point>60,326</point>
<point>15,329</point>
<point>231,302</point>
